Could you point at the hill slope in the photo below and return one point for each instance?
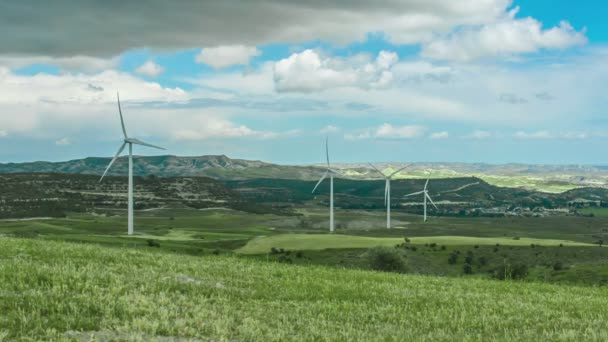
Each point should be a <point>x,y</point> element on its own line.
<point>52,291</point>
<point>39,194</point>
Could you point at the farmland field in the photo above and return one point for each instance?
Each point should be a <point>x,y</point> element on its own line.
<point>64,291</point>
<point>324,241</point>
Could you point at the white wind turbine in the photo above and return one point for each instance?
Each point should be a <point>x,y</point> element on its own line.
<point>130,142</point>
<point>387,192</point>
<point>331,173</point>
<point>425,196</point>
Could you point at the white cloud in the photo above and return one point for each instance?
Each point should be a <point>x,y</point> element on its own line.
<point>505,37</point>
<point>3,134</point>
<point>533,135</point>
<point>224,56</point>
<point>478,134</point>
<point>310,71</point>
<point>388,131</point>
<point>329,129</point>
<point>439,135</point>
<point>150,69</point>
<point>63,142</point>
<point>221,128</point>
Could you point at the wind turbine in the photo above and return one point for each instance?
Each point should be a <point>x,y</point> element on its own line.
<point>387,192</point>
<point>425,196</point>
<point>331,173</point>
<point>130,142</point>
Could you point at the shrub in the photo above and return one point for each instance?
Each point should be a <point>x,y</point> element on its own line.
<point>153,243</point>
<point>433,245</point>
<point>443,248</point>
<point>407,240</point>
<point>284,259</point>
<point>467,268</point>
<point>516,238</point>
<point>216,252</point>
<point>414,248</point>
<point>386,259</point>
<point>452,258</point>
<point>468,259</point>
<point>273,250</point>
<point>476,246</point>
<point>483,261</point>
<point>299,254</point>
<point>558,266</point>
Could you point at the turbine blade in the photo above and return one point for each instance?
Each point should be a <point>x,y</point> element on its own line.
<point>139,142</point>
<point>430,200</point>
<point>426,184</point>
<point>320,180</point>
<point>380,172</point>
<point>122,121</point>
<point>401,169</point>
<point>327,150</point>
<point>122,147</point>
<point>414,193</point>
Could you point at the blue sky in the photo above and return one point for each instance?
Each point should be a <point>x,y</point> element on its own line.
<point>475,81</point>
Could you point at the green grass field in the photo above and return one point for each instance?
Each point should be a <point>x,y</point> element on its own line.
<point>325,241</point>
<point>63,291</point>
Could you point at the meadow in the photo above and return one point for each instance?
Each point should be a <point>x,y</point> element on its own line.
<point>52,290</point>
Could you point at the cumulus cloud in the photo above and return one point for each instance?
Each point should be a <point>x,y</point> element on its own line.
<point>388,131</point>
<point>479,134</point>
<point>225,56</point>
<point>112,28</point>
<point>533,135</point>
<point>63,142</point>
<point>439,135</point>
<point>150,69</point>
<point>329,129</point>
<point>221,128</point>
<point>310,71</point>
<point>505,37</point>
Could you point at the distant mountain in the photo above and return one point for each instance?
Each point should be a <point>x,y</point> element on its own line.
<point>550,178</point>
<point>219,167</point>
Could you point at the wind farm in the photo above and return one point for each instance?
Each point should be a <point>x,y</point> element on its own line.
<point>303,171</point>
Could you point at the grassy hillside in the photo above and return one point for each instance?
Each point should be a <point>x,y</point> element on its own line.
<point>54,291</point>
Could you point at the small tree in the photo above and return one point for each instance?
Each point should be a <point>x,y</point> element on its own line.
<point>558,266</point>
<point>153,243</point>
<point>453,258</point>
<point>386,259</point>
<point>467,268</point>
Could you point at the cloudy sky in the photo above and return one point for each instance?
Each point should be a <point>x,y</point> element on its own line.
<point>391,80</point>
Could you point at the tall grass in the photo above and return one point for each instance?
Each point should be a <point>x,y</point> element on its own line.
<point>62,291</point>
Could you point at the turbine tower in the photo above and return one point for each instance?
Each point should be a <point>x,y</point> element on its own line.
<point>331,173</point>
<point>130,142</point>
<point>387,192</point>
<point>425,196</point>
